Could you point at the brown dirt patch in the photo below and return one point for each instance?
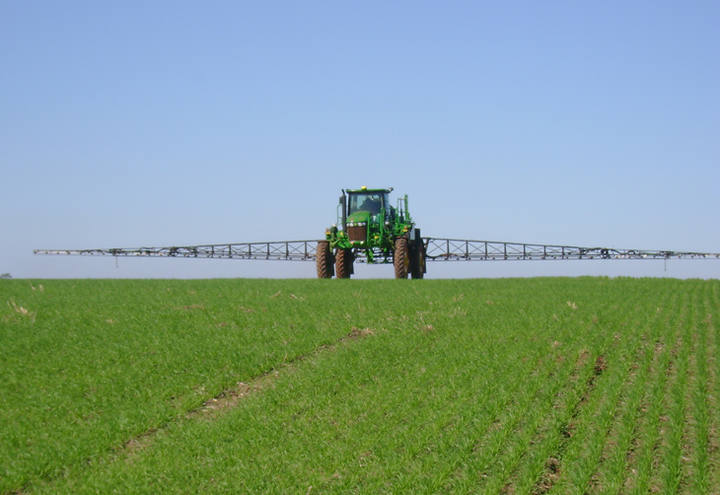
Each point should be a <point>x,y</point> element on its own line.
<point>359,333</point>
<point>550,476</point>
<point>600,365</point>
<point>193,306</point>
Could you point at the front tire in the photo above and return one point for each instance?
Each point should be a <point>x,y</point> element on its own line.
<point>343,263</point>
<point>401,258</point>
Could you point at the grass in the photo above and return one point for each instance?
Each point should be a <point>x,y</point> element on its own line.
<point>477,386</point>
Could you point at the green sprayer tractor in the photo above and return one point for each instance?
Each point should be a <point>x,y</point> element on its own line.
<point>370,230</point>
<point>369,225</point>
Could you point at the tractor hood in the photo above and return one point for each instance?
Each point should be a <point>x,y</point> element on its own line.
<point>358,216</point>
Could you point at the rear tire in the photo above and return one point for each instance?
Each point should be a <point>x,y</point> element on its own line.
<point>417,261</point>
<point>323,260</point>
<point>343,263</point>
<point>401,258</point>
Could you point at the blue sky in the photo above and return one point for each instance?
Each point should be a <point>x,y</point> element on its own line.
<point>161,123</point>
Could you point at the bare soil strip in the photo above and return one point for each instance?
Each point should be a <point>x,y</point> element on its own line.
<point>230,398</point>
<point>621,428</point>
<point>553,464</point>
<point>506,441</point>
<point>595,420</point>
<point>510,417</point>
<point>544,432</point>
<point>621,438</point>
<point>552,471</point>
<point>541,472</point>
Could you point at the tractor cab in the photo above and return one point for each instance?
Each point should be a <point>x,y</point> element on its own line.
<point>364,207</point>
<point>371,201</point>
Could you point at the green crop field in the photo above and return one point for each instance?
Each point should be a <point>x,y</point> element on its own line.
<point>546,385</point>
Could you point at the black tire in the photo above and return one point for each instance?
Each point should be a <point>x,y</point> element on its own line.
<point>323,260</point>
<point>401,258</point>
<point>343,263</point>
<point>417,260</point>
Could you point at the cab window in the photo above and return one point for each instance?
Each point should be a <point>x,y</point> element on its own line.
<point>371,202</point>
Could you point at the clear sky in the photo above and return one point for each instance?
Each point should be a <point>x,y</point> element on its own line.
<point>163,123</point>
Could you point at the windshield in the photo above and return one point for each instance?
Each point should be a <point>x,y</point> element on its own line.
<point>366,201</point>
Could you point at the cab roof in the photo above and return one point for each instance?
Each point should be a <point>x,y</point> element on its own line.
<point>369,189</point>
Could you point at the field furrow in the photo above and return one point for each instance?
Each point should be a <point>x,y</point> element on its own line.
<point>505,420</point>
<point>540,468</point>
<point>610,473</point>
<point>594,421</point>
<point>561,469</point>
<point>230,397</point>
<point>499,464</point>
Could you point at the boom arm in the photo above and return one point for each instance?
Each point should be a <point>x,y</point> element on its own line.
<point>461,249</point>
<point>437,249</point>
<point>275,250</point>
